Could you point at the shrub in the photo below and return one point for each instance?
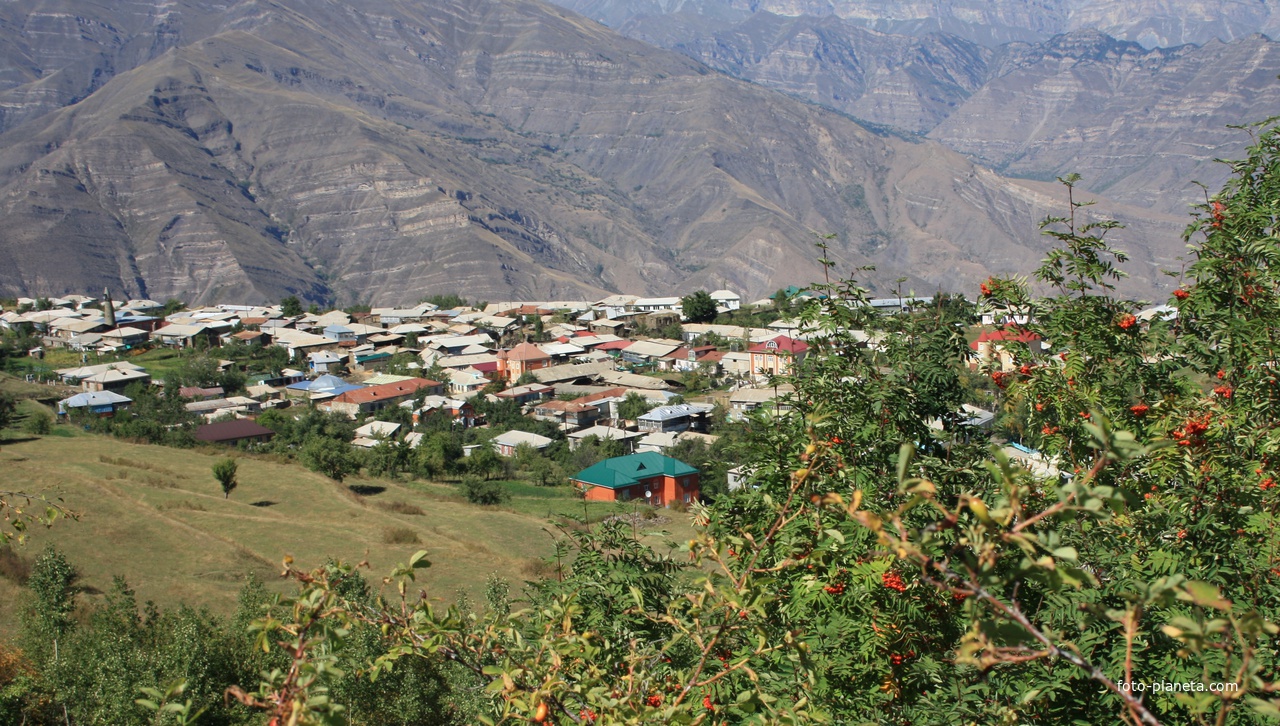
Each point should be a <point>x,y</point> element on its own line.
<point>483,492</point>
<point>399,535</point>
<point>400,507</point>
<point>38,423</point>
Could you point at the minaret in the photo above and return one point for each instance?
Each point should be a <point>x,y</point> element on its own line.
<point>108,310</point>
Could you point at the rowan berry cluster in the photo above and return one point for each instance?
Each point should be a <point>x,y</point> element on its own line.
<point>893,581</point>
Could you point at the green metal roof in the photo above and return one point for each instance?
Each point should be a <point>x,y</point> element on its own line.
<point>625,471</point>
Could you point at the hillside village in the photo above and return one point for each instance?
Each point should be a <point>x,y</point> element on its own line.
<point>517,379</point>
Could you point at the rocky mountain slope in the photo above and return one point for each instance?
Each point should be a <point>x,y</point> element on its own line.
<point>1153,23</point>
<point>1141,126</point>
<point>380,151</point>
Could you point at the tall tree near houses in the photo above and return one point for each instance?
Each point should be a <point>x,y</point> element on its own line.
<point>698,307</point>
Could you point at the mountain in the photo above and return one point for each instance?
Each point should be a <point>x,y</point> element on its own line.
<point>906,82</point>
<point>1152,23</point>
<point>1142,126</point>
<point>390,149</point>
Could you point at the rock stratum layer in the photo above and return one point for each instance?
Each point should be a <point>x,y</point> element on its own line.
<point>379,151</point>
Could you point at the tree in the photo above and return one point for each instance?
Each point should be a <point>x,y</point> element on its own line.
<point>291,306</point>
<point>438,455</point>
<point>698,307</point>
<point>224,470</point>
<point>330,457</point>
<point>484,462</point>
<point>634,406</point>
<point>7,408</point>
<point>53,589</point>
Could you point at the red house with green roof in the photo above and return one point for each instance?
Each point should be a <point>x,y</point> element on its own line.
<point>662,478</point>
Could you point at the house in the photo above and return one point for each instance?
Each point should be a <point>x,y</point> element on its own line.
<point>660,442</point>
<point>726,300</point>
<point>466,381</point>
<point>527,393</point>
<point>185,336</point>
<point>656,479</point>
<point>690,358</point>
<point>102,404</point>
<point>342,334</point>
<point>505,444</point>
<point>197,393</point>
<point>604,433</point>
<point>608,326</point>
<point>126,337</point>
<point>233,432</point>
<point>777,355</point>
<point>1006,348</point>
<point>323,388</point>
<point>655,304</point>
<point>647,351</point>
<point>378,430</point>
<point>375,398</point>
<point>743,401</point>
<point>569,416</point>
<point>74,376</point>
<point>325,361</point>
<point>680,417</point>
<point>216,407</point>
<point>521,359</point>
<point>114,379</point>
<point>370,360</point>
<point>460,412</point>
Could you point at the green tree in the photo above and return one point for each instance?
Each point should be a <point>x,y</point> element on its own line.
<point>438,455</point>
<point>7,408</point>
<point>485,462</point>
<point>291,306</point>
<point>224,470</point>
<point>53,591</point>
<point>330,457</point>
<point>633,406</point>
<point>698,307</point>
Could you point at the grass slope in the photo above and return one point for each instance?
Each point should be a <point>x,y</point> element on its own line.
<point>157,516</point>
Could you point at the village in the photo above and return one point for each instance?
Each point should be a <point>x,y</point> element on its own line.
<point>642,376</point>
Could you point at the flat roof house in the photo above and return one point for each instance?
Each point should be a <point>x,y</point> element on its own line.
<point>680,417</point>
<point>652,477</point>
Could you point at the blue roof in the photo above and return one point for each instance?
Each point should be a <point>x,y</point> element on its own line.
<point>326,384</point>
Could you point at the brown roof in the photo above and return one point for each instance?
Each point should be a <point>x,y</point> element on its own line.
<point>386,390</point>
<point>253,321</point>
<point>249,334</point>
<point>241,428</point>
<point>527,351</point>
<point>565,406</point>
<point>610,393</point>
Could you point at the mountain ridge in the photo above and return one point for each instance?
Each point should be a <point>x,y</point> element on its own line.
<point>499,149</point>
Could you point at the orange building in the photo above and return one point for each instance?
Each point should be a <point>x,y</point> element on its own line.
<point>524,357</point>
<point>659,480</point>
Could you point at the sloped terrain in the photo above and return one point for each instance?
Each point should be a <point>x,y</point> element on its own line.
<point>379,152</point>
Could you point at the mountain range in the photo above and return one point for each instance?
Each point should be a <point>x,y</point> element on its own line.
<point>1153,23</point>
<point>379,151</point>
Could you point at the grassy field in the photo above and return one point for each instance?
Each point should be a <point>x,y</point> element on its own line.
<point>156,516</point>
